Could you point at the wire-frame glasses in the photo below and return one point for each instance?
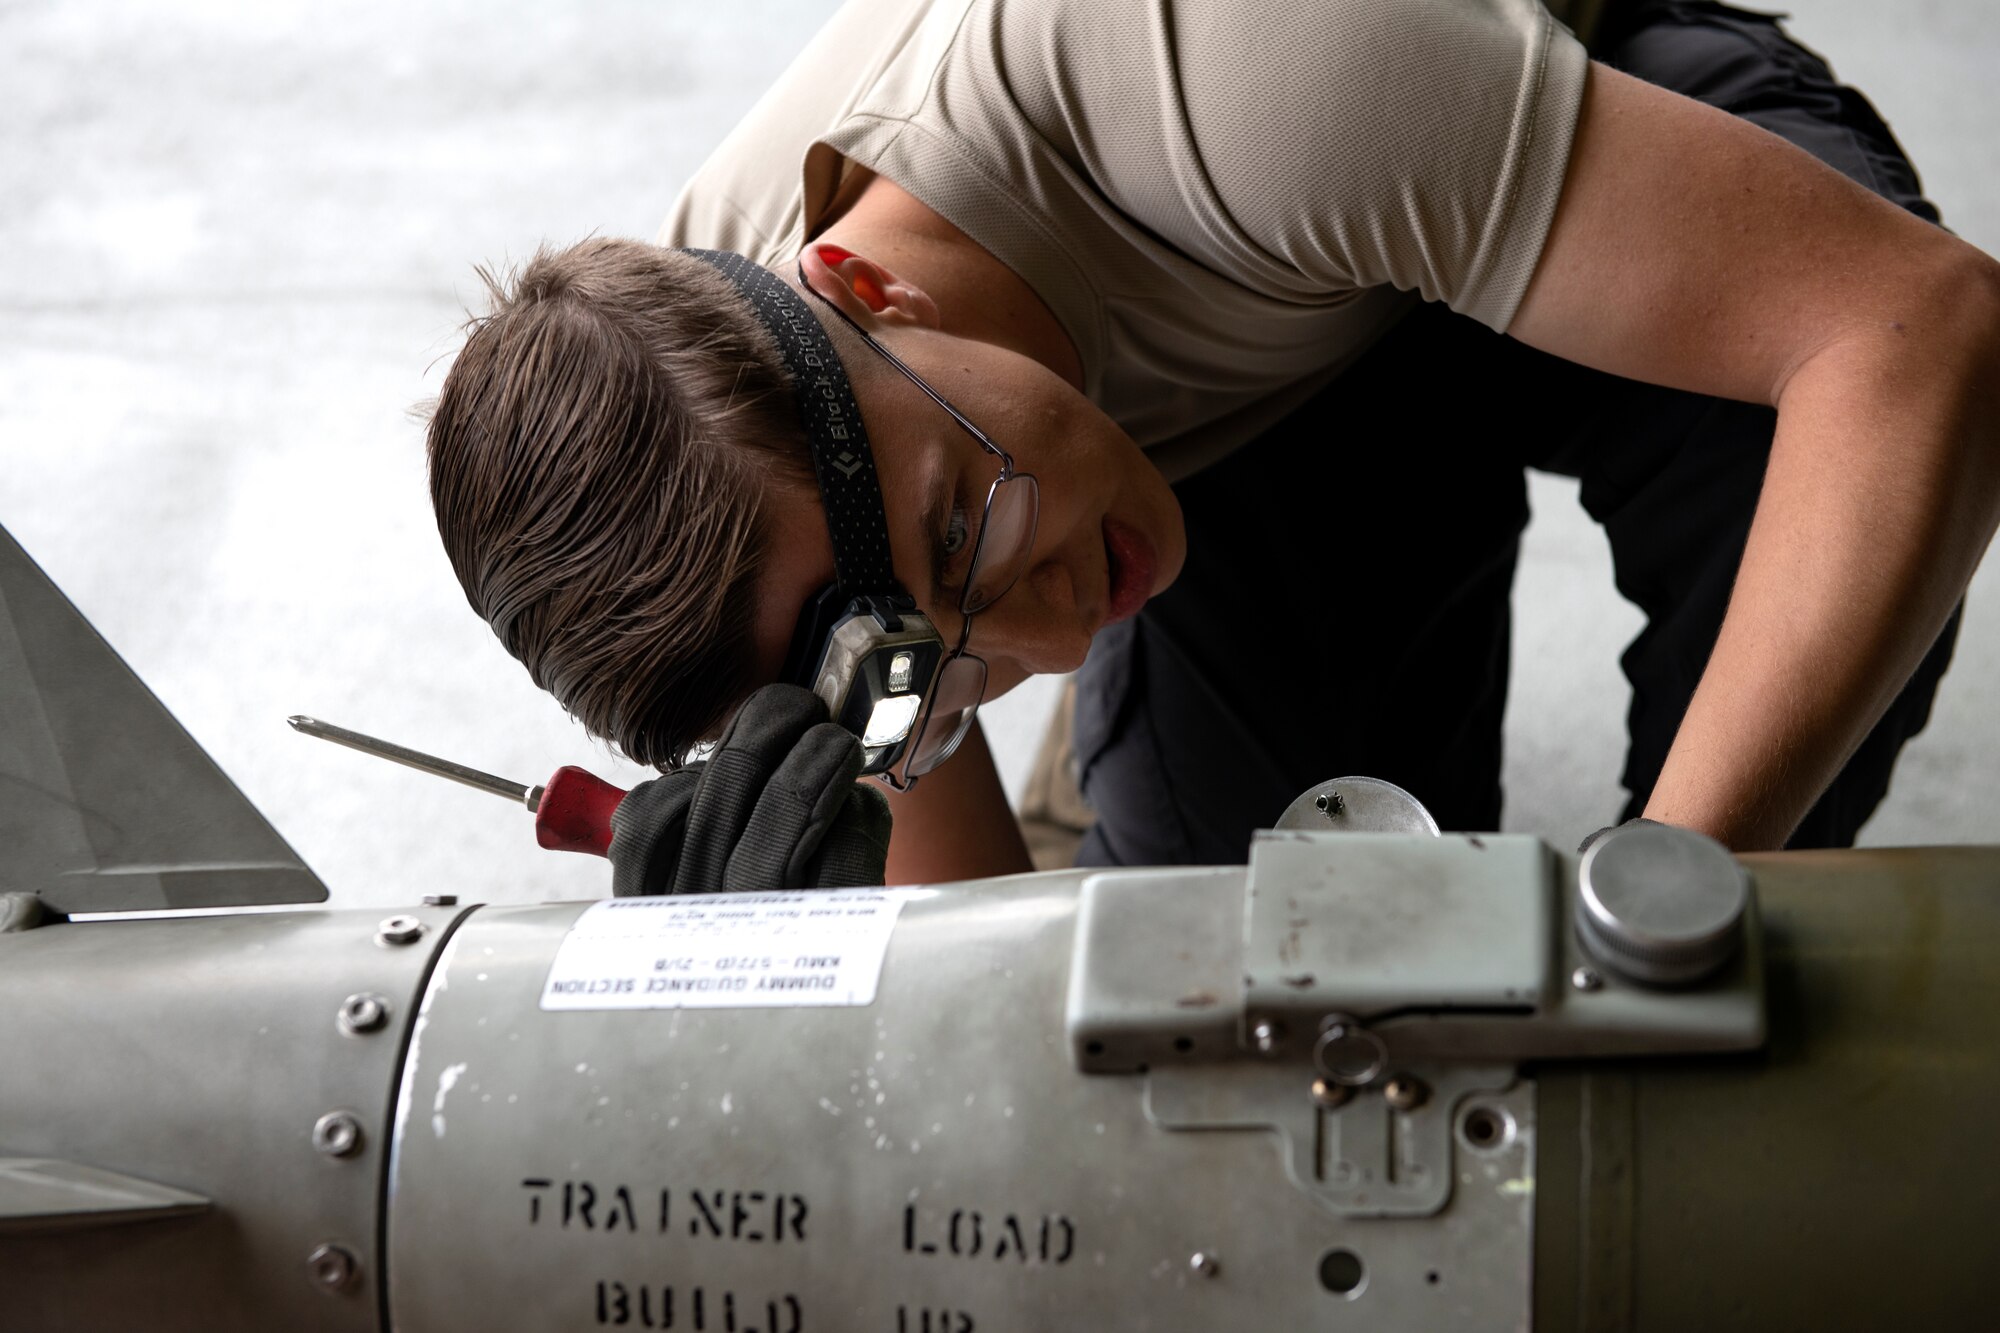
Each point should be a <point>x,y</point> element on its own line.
<point>1000,552</point>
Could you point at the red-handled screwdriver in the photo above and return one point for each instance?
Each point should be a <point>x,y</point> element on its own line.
<point>572,809</point>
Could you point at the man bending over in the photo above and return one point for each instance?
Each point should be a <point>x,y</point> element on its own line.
<point>1272,305</point>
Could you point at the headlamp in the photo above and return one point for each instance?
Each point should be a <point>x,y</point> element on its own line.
<point>861,645</point>
<point>872,660</point>
<point>890,720</point>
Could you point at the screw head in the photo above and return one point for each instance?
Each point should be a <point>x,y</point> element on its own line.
<point>362,1012</point>
<point>1405,1093</point>
<point>440,900</point>
<point>1264,1036</point>
<point>1328,1095</point>
<point>337,1134</point>
<point>332,1267</point>
<point>1587,979</point>
<point>399,930</point>
<point>1329,803</point>
<point>1204,1264</point>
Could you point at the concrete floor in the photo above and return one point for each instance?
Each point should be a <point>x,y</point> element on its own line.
<point>236,239</point>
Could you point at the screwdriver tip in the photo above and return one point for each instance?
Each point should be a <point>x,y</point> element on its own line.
<point>299,721</point>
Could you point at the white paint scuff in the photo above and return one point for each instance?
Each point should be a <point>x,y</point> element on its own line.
<point>446,1082</point>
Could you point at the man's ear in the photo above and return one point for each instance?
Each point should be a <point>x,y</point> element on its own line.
<point>863,289</point>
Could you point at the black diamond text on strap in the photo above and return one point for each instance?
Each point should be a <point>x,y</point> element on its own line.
<point>842,461</point>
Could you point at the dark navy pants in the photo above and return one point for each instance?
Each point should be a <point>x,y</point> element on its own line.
<point>1344,608</point>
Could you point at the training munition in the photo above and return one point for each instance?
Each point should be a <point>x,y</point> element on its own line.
<point>1372,1081</point>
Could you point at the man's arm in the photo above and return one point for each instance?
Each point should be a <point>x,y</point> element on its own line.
<point>956,823</point>
<point>1695,250</point>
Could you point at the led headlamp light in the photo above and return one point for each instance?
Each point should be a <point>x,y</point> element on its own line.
<point>873,660</point>
<point>861,644</point>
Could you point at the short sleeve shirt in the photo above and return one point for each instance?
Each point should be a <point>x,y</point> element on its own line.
<point>1224,202</point>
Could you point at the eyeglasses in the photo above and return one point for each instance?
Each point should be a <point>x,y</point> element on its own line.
<point>1000,552</point>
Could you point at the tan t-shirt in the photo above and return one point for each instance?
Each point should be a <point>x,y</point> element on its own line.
<point>1223,201</point>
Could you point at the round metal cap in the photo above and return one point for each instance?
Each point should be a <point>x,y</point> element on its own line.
<point>1357,805</point>
<point>1661,905</point>
<point>1349,1054</point>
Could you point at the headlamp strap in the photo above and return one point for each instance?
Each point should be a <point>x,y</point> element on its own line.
<point>842,461</point>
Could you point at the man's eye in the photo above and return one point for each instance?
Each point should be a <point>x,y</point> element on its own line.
<point>955,532</point>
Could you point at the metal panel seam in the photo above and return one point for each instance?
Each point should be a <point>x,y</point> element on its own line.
<point>384,1316</point>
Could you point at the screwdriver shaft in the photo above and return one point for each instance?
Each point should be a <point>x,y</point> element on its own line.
<point>401,754</point>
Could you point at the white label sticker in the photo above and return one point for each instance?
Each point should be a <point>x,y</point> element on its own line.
<point>727,951</point>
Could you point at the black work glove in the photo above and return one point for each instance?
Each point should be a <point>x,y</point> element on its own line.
<point>1581,847</point>
<point>775,807</point>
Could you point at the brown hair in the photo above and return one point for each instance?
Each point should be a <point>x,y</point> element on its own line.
<point>599,458</point>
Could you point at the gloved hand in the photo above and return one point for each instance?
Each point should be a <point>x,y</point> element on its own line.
<point>775,807</point>
<point>1584,846</point>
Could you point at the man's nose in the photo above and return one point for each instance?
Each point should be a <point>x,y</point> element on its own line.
<point>1041,622</point>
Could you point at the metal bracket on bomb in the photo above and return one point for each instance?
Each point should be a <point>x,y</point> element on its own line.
<point>1372,997</point>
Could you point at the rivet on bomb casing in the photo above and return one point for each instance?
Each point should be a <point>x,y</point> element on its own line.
<point>362,1012</point>
<point>1587,979</point>
<point>1405,1093</point>
<point>337,1134</point>
<point>1264,1035</point>
<point>1328,1095</point>
<point>399,930</point>
<point>332,1267</point>
<point>1329,803</point>
<point>1203,1264</point>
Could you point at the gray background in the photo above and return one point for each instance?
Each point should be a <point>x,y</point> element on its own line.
<point>236,240</point>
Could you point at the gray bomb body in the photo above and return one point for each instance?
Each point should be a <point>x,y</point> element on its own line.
<point>936,1159</point>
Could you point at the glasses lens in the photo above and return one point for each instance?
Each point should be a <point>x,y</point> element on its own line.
<point>955,702</point>
<point>1006,539</point>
